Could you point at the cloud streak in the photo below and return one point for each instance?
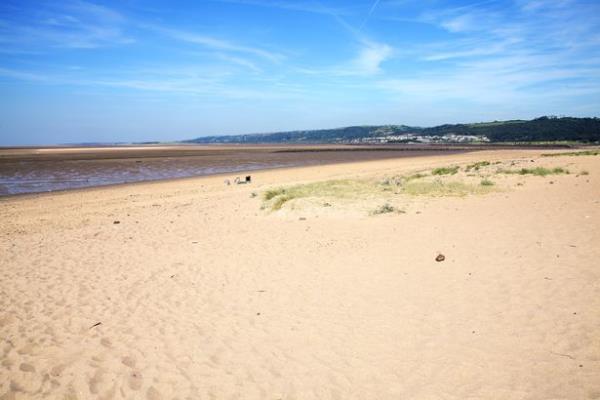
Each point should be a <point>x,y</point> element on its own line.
<point>215,43</point>
<point>371,10</point>
<point>313,7</point>
<point>71,24</point>
<point>531,52</point>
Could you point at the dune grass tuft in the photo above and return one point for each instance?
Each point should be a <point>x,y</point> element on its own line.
<point>399,180</point>
<point>384,209</point>
<point>573,153</point>
<point>438,188</point>
<point>416,184</point>
<point>271,193</point>
<point>340,188</point>
<point>486,182</point>
<point>538,171</point>
<point>418,175</point>
<point>445,170</point>
<point>280,201</point>
<point>477,165</point>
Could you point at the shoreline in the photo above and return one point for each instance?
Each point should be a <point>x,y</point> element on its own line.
<point>211,178</point>
<point>37,170</point>
<point>402,153</point>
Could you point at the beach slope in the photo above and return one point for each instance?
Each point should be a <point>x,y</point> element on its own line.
<point>194,289</point>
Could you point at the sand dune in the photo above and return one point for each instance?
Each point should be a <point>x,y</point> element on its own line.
<point>197,293</point>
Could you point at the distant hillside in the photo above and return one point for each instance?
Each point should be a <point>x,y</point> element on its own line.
<point>537,130</point>
<point>337,135</point>
<point>540,129</point>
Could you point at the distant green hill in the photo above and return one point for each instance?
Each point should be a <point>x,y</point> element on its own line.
<point>544,129</point>
<point>539,129</point>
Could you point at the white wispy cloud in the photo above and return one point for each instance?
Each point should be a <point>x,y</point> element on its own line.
<point>367,62</point>
<point>93,11</point>
<point>243,62</point>
<point>460,23</point>
<point>537,5</point>
<point>314,7</point>
<point>215,43</point>
<point>370,58</point>
<point>193,80</point>
<point>533,53</point>
<point>371,10</point>
<point>21,75</point>
<point>492,52</point>
<point>69,24</point>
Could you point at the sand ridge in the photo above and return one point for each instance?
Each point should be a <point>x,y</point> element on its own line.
<point>198,293</point>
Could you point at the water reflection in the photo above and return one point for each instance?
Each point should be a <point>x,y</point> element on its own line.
<point>44,172</point>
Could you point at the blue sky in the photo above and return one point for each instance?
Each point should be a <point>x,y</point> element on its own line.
<point>79,71</point>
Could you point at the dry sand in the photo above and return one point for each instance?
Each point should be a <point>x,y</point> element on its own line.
<point>198,294</point>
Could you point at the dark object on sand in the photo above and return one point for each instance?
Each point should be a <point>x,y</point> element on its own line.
<point>116,222</point>
<point>440,258</point>
<point>239,181</point>
<point>95,325</point>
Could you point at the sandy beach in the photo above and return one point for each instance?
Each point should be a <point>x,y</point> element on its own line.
<point>194,289</point>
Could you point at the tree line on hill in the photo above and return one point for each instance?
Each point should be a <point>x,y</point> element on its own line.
<point>543,129</point>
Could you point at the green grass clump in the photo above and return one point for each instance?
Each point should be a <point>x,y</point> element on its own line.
<point>418,175</point>
<point>393,181</point>
<point>477,165</point>
<point>445,171</point>
<point>538,171</point>
<point>274,199</point>
<point>384,209</point>
<point>280,201</point>
<point>340,188</point>
<point>438,188</point>
<point>398,180</point>
<point>573,153</point>
<point>272,193</point>
<point>486,182</point>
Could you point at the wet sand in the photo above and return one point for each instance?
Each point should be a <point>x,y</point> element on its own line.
<point>187,289</point>
<point>31,170</point>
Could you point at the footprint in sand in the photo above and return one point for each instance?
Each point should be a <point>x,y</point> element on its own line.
<point>29,349</point>
<point>128,361</point>
<point>153,394</point>
<point>135,380</point>
<point>57,370</point>
<point>27,367</point>
<point>96,382</point>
